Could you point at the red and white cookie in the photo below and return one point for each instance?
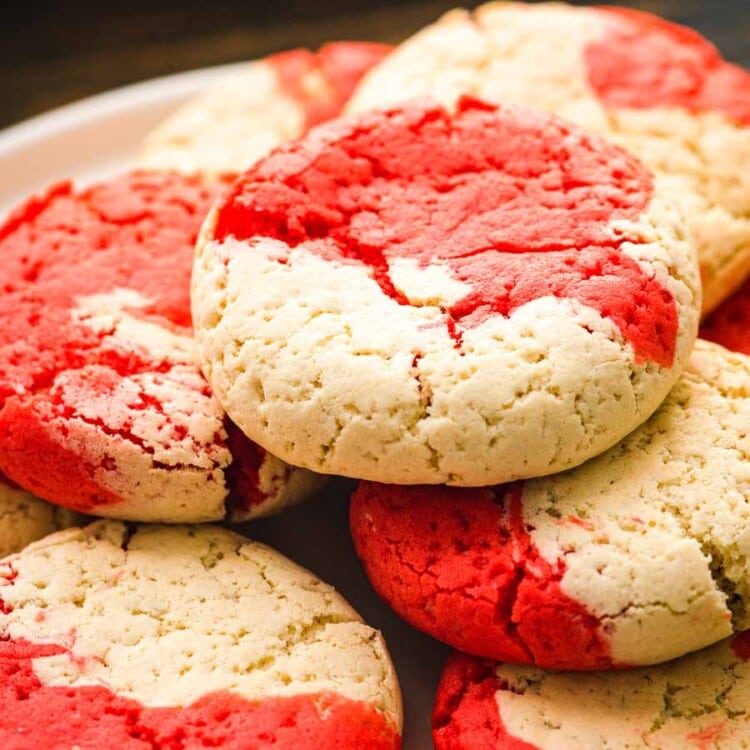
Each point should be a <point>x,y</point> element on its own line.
<point>698,702</point>
<point>157,638</point>
<point>638,556</point>
<point>25,518</point>
<point>657,88</point>
<point>103,408</point>
<point>228,127</point>
<point>414,295</point>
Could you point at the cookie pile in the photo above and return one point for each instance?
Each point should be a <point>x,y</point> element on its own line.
<point>468,273</point>
<point>121,634</point>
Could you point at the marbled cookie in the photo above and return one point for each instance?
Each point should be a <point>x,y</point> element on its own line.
<point>103,408</point>
<point>657,88</point>
<point>25,518</point>
<point>166,638</point>
<point>414,295</point>
<point>638,556</point>
<point>225,129</point>
<point>699,702</point>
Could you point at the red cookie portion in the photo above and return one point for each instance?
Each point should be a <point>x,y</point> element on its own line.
<point>102,405</point>
<point>729,324</point>
<point>516,217</point>
<point>644,62</point>
<point>460,565</point>
<point>658,89</point>
<point>466,716</point>
<point>40,716</point>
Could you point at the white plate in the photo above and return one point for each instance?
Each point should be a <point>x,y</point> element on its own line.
<point>100,136</point>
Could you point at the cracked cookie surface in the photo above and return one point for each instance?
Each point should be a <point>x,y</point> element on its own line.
<point>638,556</point>
<point>698,702</point>
<point>656,88</point>
<point>25,518</point>
<point>103,408</point>
<point>184,637</point>
<point>414,295</point>
<point>225,129</point>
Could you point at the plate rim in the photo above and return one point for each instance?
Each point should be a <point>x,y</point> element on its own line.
<point>109,102</point>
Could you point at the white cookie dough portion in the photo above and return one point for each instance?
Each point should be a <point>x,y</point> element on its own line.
<point>698,155</point>
<point>165,615</point>
<point>24,518</point>
<point>502,52</point>
<point>534,55</point>
<point>655,533</point>
<point>225,129</point>
<point>698,702</point>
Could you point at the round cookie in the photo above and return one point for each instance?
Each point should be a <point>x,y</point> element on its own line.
<point>698,702</point>
<point>638,556</point>
<point>657,88</point>
<point>229,126</point>
<point>165,637</point>
<point>414,295</point>
<point>103,408</point>
<point>25,518</point>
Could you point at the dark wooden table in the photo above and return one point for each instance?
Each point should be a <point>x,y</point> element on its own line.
<point>54,52</point>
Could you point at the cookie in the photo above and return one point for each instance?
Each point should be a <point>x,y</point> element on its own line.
<point>658,89</point>
<point>229,126</point>
<point>103,408</point>
<point>414,295</point>
<point>729,324</point>
<point>698,702</point>
<point>25,518</point>
<point>184,637</point>
<point>638,556</point>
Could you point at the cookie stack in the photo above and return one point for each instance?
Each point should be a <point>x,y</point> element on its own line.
<point>478,293</point>
<point>638,555</point>
<point>128,635</point>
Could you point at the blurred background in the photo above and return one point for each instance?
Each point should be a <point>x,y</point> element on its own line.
<point>55,52</point>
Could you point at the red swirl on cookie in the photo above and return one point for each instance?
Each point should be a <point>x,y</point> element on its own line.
<point>643,62</point>
<point>466,715</point>
<point>38,716</point>
<point>516,206</point>
<point>102,404</point>
<point>729,324</point>
<point>460,565</point>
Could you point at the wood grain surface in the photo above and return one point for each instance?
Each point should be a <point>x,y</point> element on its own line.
<point>52,53</point>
